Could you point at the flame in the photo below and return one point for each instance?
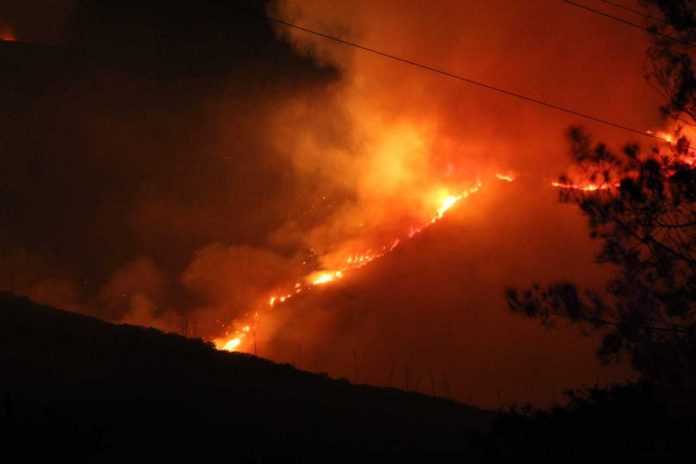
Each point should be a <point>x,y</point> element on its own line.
<point>444,201</point>
<point>669,137</point>
<point>584,187</point>
<point>231,344</point>
<point>447,204</point>
<point>322,277</point>
<point>235,341</point>
<point>666,136</point>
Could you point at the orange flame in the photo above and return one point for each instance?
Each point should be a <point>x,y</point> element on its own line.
<point>666,136</point>
<point>447,204</point>
<point>447,200</point>
<point>228,345</point>
<point>324,277</point>
<point>235,342</point>
<point>584,188</point>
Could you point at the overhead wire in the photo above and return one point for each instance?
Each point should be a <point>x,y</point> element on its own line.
<point>629,9</point>
<point>440,71</point>
<point>626,22</point>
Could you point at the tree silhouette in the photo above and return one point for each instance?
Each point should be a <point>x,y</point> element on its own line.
<point>642,206</point>
<point>672,56</point>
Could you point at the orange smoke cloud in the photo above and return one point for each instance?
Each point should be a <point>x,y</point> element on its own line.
<point>322,205</point>
<point>232,283</point>
<point>388,144</point>
<point>137,293</point>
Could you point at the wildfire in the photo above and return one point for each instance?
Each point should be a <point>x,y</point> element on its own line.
<point>447,204</point>
<point>322,277</point>
<point>584,188</point>
<point>449,201</point>
<point>228,345</point>
<point>444,201</point>
<point>666,136</point>
<point>361,260</point>
<point>233,342</point>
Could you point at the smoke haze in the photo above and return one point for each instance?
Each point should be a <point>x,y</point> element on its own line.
<point>175,166</point>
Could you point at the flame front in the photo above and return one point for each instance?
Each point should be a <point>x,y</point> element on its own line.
<point>447,204</point>
<point>443,201</point>
<point>233,342</point>
<point>228,345</point>
<point>324,277</point>
<point>237,340</point>
<point>584,187</point>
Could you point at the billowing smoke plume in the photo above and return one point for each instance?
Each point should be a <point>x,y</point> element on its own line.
<point>392,139</point>
<point>177,173</point>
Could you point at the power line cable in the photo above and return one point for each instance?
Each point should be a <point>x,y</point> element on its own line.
<point>650,18</point>
<point>433,69</point>
<point>629,9</point>
<point>627,22</point>
<point>442,72</point>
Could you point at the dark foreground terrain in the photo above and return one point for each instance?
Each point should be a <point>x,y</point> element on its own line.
<point>75,389</point>
<point>78,388</point>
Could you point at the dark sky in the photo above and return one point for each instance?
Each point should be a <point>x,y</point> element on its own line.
<point>140,133</point>
<point>175,163</point>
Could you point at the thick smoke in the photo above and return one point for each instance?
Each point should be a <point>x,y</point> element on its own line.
<point>134,148</point>
<point>388,140</point>
<point>173,172</point>
<point>435,307</point>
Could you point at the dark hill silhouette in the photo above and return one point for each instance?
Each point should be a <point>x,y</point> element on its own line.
<point>91,391</point>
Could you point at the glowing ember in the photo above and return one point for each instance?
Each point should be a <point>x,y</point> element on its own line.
<point>504,177</point>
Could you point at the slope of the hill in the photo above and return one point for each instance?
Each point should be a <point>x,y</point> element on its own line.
<point>97,392</point>
<point>434,308</point>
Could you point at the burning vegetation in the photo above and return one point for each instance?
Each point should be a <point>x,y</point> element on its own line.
<point>240,340</point>
<point>223,195</point>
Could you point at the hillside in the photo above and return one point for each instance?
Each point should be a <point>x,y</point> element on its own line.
<point>436,306</point>
<point>78,387</point>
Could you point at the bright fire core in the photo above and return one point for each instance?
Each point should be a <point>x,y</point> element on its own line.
<point>236,340</point>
